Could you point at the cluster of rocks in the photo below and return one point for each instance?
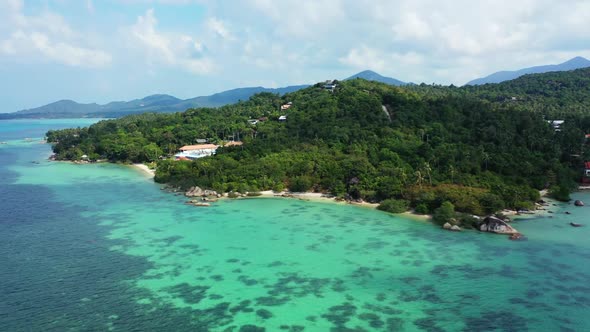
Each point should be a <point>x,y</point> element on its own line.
<point>201,197</point>
<point>495,224</point>
<point>450,227</point>
<point>196,202</point>
<point>284,194</point>
<point>198,192</point>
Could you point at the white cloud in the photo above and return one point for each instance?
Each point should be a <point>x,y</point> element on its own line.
<point>171,49</point>
<point>90,6</point>
<point>411,26</point>
<point>299,19</point>
<point>365,57</point>
<point>411,38</point>
<point>219,28</point>
<point>45,37</point>
<point>36,42</point>
<point>164,2</point>
<point>144,30</point>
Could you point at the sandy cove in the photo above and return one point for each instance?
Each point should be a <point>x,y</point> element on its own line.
<point>319,197</point>
<point>145,169</point>
<point>309,196</point>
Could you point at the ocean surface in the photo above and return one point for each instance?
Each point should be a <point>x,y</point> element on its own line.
<point>101,248</point>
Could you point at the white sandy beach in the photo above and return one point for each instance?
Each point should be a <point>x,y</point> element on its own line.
<point>145,169</point>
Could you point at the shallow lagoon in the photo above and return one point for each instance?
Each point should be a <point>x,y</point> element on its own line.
<point>101,247</point>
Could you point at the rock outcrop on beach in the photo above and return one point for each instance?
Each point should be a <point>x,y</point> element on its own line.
<point>450,227</point>
<point>494,224</point>
<point>198,192</point>
<point>194,192</point>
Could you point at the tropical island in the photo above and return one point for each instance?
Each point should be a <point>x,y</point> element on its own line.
<point>450,151</point>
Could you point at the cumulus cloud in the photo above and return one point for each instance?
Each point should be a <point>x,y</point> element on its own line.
<point>219,28</point>
<point>294,41</point>
<point>299,19</point>
<point>37,42</point>
<point>45,37</point>
<point>418,38</point>
<point>171,49</point>
<point>364,57</point>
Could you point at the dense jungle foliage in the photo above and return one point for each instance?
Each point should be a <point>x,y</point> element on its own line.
<point>480,148</point>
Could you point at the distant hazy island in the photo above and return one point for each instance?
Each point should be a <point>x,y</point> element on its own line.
<point>436,149</point>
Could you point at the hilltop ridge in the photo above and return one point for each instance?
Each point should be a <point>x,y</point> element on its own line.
<point>501,76</point>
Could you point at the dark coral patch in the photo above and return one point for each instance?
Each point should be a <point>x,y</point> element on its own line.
<point>374,320</point>
<point>339,315</point>
<point>251,328</point>
<point>264,314</point>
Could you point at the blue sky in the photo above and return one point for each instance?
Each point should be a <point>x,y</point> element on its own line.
<point>105,50</point>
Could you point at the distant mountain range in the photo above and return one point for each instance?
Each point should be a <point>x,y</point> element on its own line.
<point>153,103</point>
<point>167,103</point>
<point>163,103</point>
<point>501,76</point>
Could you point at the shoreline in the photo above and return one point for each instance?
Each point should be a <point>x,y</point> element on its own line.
<point>550,207</point>
<point>323,198</point>
<point>146,170</point>
<point>540,211</point>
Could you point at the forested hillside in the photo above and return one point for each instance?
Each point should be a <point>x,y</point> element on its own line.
<point>420,145</point>
<point>554,94</point>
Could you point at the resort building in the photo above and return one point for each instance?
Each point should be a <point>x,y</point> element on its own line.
<point>191,152</point>
<point>556,124</point>
<point>586,174</point>
<point>233,143</point>
<point>330,85</point>
<point>286,106</point>
<point>196,151</point>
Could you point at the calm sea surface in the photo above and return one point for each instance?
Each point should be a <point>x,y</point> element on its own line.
<point>102,248</point>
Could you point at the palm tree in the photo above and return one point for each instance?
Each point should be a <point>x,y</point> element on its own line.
<point>427,170</point>
<point>403,176</point>
<point>419,178</point>
<point>486,157</point>
<point>452,171</point>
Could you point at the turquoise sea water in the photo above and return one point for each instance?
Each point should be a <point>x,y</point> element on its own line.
<point>100,247</point>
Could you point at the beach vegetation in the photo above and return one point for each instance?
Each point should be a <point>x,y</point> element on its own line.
<point>394,205</point>
<point>445,213</point>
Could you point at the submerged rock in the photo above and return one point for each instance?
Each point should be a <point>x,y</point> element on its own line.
<point>578,203</point>
<point>517,237</point>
